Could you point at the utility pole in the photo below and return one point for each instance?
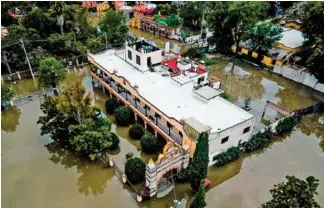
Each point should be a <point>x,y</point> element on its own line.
<point>30,68</point>
<point>106,40</point>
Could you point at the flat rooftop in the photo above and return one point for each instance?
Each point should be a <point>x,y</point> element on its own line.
<point>173,99</point>
<point>292,38</point>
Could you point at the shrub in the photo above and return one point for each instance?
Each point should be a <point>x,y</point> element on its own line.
<point>258,141</point>
<point>183,175</point>
<point>193,53</point>
<point>115,141</point>
<point>231,154</point>
<point>287,124</point>
<point>135,170</point>
<point>123,115</point>
<point>209,61</point>
<point>136,131</point>
<point>224,95</point>
<point>149,143</point>
<point>129,155</point>
<point>111,104</point>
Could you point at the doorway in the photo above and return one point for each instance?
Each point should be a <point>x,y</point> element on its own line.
<point>149,63</point>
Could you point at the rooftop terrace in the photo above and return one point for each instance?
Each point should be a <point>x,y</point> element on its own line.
<point>173,99</point>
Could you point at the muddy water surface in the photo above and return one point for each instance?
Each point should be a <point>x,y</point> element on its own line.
<point>36,174</point>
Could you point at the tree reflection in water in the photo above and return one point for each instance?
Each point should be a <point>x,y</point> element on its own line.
<point>10,119</point>
<point>94,176</point>
<point>310,125</point>
<point>239,84</point>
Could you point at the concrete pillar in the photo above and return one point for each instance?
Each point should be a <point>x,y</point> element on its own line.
<point>135,117</point>
<point>124,178</point>
<point>145,125</point>
<point>110,94</point>
<point>155,133</point>
<point>151,177</point>
<point>18,75</point>
<point>111,162</point>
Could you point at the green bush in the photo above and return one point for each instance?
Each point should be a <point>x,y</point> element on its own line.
<point>111,104</point>
<point>149,143</point>
<point>193,53</point>
<point>183,175</point>
<point>258,141</point>
<point>115,141</point>
<point>231,154</point>
<point>136,131</point>
<point>286,125</point>
<point>209,61</point>
<point>135,170</point>
<point>129,155</point>
<point>123,115</point>
<point>224,95</point>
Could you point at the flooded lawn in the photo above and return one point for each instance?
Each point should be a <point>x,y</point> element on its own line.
<point>36,174</point>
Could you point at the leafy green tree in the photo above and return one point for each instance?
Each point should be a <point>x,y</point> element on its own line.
<point>166,9</point>
<point>136,131</point>
<point>6,92</point>
<point>111,104</point>
<point>173,20</point>
<point>222,34</point>
<point>149,143</point>
<point>199,200</point>
<point>315,62</point>
<point>36,55</point>
<point>243,15</point>
<point>193,53</point>
<point>192,15</point>
<point>312,20</point>
<point>294,193</point>
<point>113,24</point>
<point>199,165</point>
<point>94,45</point>
<point>73,102</point>
<point>135,170</point>
<point>54,122</point>
<point>123,115</point>
<point>58,7</point>
<point>51,71</point>
<point>261,37</point>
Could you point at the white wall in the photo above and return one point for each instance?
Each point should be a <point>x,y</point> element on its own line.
<point>156,57</point>
<point>235,134</point>
<point>195,79</point>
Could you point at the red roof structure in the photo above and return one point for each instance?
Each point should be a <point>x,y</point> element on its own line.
<point>172,64</point>
<point>207,182</point>
<point>90,4</point>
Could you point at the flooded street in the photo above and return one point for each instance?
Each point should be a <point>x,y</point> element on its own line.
<point>37,174</point>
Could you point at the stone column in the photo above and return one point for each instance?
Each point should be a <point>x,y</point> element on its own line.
<point>135,118</point>
<point>155,133</point>
<point>151,177</point>
<point>145,125</point>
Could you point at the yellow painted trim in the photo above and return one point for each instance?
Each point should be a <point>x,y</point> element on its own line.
<point>245,51</point>
<point>255,54</point>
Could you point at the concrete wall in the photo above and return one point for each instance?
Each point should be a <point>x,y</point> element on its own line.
<point>156,57</point>
<point>195,79</point>
<point>235,134</point>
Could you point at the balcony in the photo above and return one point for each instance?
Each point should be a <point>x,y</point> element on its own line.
<point>140,108</point>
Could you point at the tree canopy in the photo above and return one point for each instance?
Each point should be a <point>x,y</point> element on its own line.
<point>192,15</point>
<point>70,120</point>
<point>51,72</point>
<point>199,200</point>
<point>200,160</point>
<point>261,37</point>
<point>6,92</point>
<point>113,24</point>
<point>294,193</point>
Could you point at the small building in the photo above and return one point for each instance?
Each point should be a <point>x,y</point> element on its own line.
<point>292,40</point>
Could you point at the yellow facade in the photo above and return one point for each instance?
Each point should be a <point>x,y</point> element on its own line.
<point>293,25</point>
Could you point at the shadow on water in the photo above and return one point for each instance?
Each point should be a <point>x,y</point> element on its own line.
<point>93,177</point>
<point>10,119</point>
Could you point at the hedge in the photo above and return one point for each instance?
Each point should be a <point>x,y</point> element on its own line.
<point>111,104</point>
<point>135,170</point>
<point>286,125</point>
<point>257,141</point>
<point>115,141</point>
<point>136,131</point>
<point>229,155</point>
<point>123,115</point>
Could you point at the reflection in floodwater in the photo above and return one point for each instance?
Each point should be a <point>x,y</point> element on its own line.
<point>93,178</point>
<point>311,125</point>
<point>10,119</point>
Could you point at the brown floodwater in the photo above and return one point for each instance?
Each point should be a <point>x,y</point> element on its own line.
<point>36,173</point>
